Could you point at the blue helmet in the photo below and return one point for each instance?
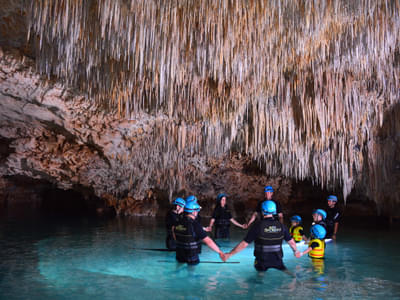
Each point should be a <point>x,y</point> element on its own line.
<point>192,206</point>
<point>191,198</point>
<point>220,196</point>
<point>268,188</point>
<point>179,201</point>
<point>296,218</point>
<point>268,207</point>
<point>320,212</point>
<point>332,198</point>
<point>318,231</point>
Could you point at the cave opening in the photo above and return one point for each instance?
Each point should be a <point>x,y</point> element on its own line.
<point>23,196</point>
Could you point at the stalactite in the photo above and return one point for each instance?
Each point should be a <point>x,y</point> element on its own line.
<point>297,85</point>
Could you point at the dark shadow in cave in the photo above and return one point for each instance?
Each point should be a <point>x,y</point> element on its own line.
<point>73,203</point>
<point>23,196</point>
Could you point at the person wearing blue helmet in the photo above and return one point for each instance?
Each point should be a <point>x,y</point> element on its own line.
<point>316,246</point>
<point>296,230</point>
<point>189,234</point>
<point>190,199</point>
<point>267,235</point>
<point>268,193</point>
<point>319,217</point>
<point>333,217</point>
<point>171,219</point>
<point>222,218</point>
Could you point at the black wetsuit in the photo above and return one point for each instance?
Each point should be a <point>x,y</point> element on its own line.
<point>222,217</point>
<point>171,219</point>
<point>322,223</point>
<point>278,209</point>
<point>333,216</point>
<point>189,234</point>
<point>268,235</point>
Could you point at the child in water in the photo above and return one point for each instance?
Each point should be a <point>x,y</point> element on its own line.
<point>316,246</point>
<point>222,218</point>
<point>319,216</point>
<point>296,230</point>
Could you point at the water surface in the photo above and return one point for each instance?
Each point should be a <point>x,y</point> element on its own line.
<point>58,258</point>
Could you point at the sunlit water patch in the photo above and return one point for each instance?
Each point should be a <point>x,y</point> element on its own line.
<point>100,260</point>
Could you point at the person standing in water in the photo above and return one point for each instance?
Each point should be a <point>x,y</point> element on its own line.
<point>268,235</point>
<point>296,230</point>
<point>319,216</point>
<point>268,193</point>
<point>332,218</point>
<point>190,199</point>
<point>189,233</point>
<point>222,218</point>
<point>171,220</point>
<point>316,246</point>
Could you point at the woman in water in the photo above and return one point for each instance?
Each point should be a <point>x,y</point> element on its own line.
<point>222,218</point>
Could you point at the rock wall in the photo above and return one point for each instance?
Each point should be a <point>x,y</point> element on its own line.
<point>50,133</point>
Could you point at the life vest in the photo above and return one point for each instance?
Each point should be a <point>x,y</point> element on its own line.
<point>223,217</point>
<point>319,251</point>
<point>295,232</point>
<point>270,238</point>
<point>185,237</point>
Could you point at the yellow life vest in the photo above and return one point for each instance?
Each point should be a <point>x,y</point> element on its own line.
<point>317,252</point>
<point>295,232</point>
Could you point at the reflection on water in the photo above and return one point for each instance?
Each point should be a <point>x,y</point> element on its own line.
<point>86,259</point>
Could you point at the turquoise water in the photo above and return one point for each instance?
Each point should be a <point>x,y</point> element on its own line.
<point>95,259</point>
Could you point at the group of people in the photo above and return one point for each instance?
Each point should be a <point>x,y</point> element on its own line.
<point>266,228</point>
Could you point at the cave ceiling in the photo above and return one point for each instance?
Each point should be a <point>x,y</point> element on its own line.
<point>128,97</point>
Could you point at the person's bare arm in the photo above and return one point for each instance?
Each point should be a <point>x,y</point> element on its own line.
<point>300,254</point>
<point>335,229</point>
<point>292,245</point>
<point>211,244</point>
<point>210,226</point>
<point>238,224</point>
<point>239,247</point>
<point>253,217</point>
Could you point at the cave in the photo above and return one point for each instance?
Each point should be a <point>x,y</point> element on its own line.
<point>111,110</point>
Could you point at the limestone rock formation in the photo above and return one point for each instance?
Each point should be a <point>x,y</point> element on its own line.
<point>147,100</point>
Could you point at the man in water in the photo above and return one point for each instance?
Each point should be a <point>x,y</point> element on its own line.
<point>189,234</point>
<point>268,193</point>
<point>332,218</point>
<point>268,235</point>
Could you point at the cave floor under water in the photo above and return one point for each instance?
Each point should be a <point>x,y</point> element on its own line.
<point>59,258</point>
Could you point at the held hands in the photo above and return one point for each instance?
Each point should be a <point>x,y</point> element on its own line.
<point>244,226</point>
<point>298,254</point>
<point>224,256</point>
